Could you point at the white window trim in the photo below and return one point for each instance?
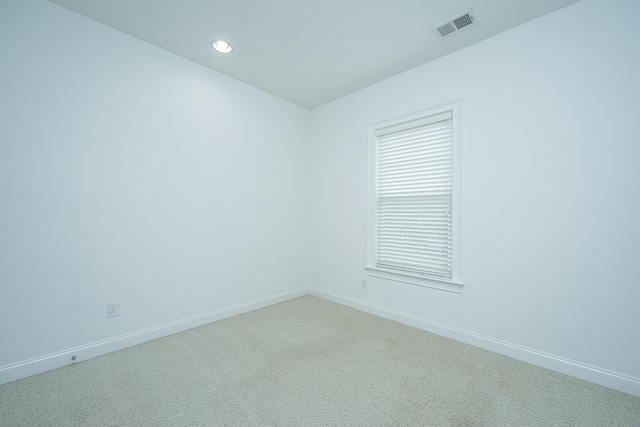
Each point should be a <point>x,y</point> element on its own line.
<point>456,283</point>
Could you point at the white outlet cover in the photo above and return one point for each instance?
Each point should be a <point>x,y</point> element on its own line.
<point>113,309</point>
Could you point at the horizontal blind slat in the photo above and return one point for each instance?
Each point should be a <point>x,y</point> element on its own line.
<point>439,158</point>
<point>425,142</point>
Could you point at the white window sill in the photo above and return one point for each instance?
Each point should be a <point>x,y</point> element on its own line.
<point>415,279</point>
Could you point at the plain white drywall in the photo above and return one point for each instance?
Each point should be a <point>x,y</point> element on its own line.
<point>130,174</point>
<point>551,187</point>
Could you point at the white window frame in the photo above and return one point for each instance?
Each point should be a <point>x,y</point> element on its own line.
<point>454,284</point>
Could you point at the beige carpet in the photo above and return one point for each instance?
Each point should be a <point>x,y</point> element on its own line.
<point>309,362</point>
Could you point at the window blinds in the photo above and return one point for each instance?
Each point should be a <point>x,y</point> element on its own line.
<point>414,188</point>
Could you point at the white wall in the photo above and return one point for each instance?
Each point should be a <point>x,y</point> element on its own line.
<point>129,174</point>
<point>551,193</point>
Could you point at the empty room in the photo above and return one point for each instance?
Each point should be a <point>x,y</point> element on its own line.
<point>295,213</point>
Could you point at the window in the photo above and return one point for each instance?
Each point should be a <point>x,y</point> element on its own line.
<point>415,199</point>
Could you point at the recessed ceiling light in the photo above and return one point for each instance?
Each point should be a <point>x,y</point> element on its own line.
<point>221,46</point>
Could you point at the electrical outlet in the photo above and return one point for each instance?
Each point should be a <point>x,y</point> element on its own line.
<point>364,283</point>
<point>113,309</point>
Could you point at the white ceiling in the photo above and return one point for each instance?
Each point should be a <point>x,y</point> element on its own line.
<point>309,52</point>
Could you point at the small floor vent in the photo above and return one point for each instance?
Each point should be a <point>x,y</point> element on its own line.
<point>454,24</point>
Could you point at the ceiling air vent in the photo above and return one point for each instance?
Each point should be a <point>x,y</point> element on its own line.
<point>454,24</point>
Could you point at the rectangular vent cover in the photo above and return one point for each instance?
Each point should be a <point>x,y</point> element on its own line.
<point>455,24</point>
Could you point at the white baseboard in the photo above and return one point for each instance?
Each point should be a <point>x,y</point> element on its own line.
<point>559,364</point>
<point>16,371</point>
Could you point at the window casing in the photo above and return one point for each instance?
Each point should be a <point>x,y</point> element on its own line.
<point>414,212</point>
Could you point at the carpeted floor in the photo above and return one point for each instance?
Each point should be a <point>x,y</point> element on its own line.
<point>309,362</point>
